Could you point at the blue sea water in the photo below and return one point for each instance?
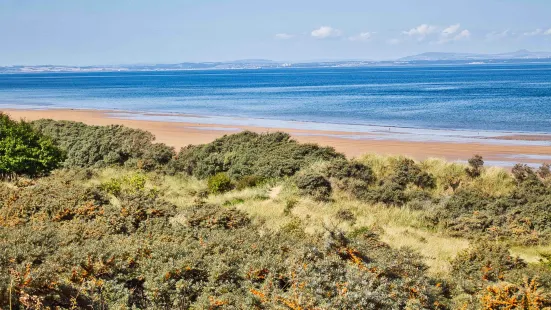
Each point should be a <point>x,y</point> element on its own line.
<point>515,97</point>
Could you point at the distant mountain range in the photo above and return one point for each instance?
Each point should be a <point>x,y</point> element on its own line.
<point>521,54</point>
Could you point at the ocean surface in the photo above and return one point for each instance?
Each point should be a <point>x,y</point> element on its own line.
<point>503,98</point>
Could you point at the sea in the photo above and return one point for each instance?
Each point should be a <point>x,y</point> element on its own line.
<point>470,97</point>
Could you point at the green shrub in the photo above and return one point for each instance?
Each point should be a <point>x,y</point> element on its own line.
<point>268,156</point>
<point>99,146</point>
<point>142,254</point>
<point>425,180</point>
<point>219,183</point>
<point>112,186</point>
<point>248,181</point>
<point>483,264</point>
<point>544,171</point>
<point>343,169</point>
<point>313,184</point>
<point>475,166</point>
<point>523,172</point>
<point>132,183</point>
<point>390,193</point>
<point>23,151</point>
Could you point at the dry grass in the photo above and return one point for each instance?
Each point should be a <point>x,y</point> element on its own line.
<point>399,227</point>
<point>495,181</point>
<point>532,254</point>
<point>438,250</point>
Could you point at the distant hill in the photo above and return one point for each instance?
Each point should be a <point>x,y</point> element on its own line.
<point>435,56</point>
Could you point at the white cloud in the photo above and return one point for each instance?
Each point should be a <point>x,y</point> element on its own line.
<point>498,35</point>
<point>538,32</point>
<point>284,36</point>
<point>326,32</point>
<point>393,41</point>
<point>451,30</point>
<point>421,31</point>
<point>465,34</point>
<point>364,36</point>
<point>533,33</point>
<point>451,34</point>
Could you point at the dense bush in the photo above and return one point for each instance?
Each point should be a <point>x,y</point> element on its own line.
<point>395,188</point>
<point>544,171</point>
<point>342,169</point>
<point>522,172</point>
<point>23,151</point>
<point>248,181</point>
<point>475,166</point>
<point>97,146</point>
<point>313,184</point>
<point>219,183</point>
<point>68,242</point>
<point>76,249</point>
<point>496,280</point>
<point>522,217</point>
<point>271,155</point>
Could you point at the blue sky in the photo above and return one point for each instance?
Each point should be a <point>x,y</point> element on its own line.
<point>138,31</point>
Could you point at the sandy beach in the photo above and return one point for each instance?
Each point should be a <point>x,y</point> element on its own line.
<point>353,144</point>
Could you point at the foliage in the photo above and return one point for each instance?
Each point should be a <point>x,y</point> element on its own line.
<point>489,272</point>
<point>128,184</point>
<point>219,183</point>
<point>510,296</point>
<point>342,169</point>
<point>23,151</point>
<point>522,172</point>
<point>313,184</point>
<point>79,250</point>
<point>544,171</point>
<point>271,155</point>
<point>483,263</point>
<point>248,181</point>
<point>98,146</point>
<point>91,238</point>
<point>475,163</point>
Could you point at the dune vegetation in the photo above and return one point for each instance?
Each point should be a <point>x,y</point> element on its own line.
<point>105,218</point>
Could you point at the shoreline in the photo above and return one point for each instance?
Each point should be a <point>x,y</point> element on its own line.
<point>179,130</point>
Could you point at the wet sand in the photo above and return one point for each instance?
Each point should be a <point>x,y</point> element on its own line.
<point>353,144</point>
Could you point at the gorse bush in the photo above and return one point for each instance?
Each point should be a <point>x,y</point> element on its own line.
<point>475,166</point>
<point>141,252</point>
<point>497,280</point>
<point>248,181</point>
<point>23,151</point>
<point>343,169</point>
<point>124,238</point>
<point>99,146</point>
<point>313,184</point>
<point>523,172</point>
<point>272,155</point>
<point>219,183</point>
<point>544,171</point>
<point>129,184</point>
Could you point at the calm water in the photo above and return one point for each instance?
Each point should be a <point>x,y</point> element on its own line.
<point>477,97</point>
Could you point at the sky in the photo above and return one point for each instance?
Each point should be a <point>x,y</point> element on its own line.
<point>96,32</point>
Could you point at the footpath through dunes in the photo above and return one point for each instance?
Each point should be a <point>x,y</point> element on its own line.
<point>508,150</point>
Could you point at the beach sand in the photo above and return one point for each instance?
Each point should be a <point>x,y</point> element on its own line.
<point>179,134</point>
